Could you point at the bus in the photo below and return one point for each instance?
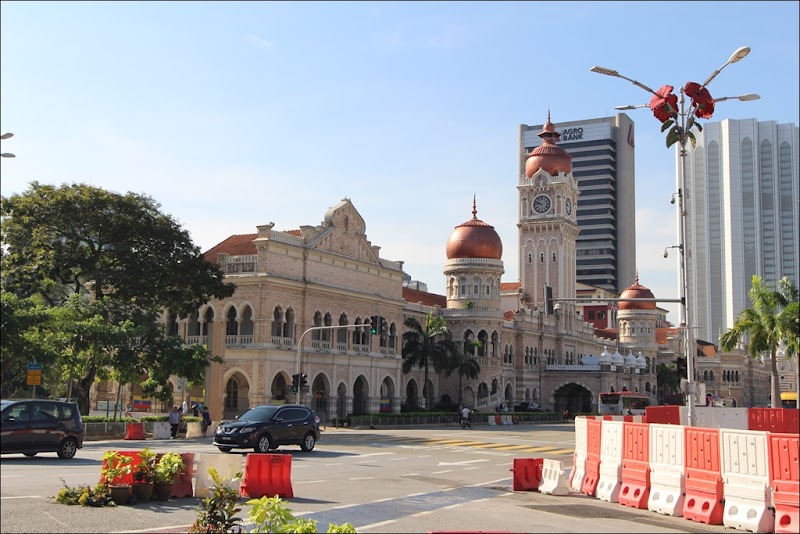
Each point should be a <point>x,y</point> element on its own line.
<point>622,403</point>
<point>789,399</point>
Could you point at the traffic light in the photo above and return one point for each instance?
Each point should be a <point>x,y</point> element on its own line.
<point>295,382</point>
<point>373,324</point>
<point>303,380</point>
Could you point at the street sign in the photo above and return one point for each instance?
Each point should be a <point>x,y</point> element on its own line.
<point>181,384</point>
<point>34,377</point>
<point>34,374</point>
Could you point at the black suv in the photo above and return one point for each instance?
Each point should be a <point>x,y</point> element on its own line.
<point>266,427</point>
<point>33,426</point>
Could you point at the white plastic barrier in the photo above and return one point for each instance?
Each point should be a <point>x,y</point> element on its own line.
<point>507,420</point>
<point>716,417</point>
<point>667,483</point>
<point>745,480</point>
<point>581,450</point>
<point>161,430</point>
<point>610,481</point>
<point>553,480</point>
<point>492,420</point>
<point>226,465</point>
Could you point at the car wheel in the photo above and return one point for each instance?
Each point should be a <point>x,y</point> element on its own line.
<point>262,445</point>
<point>29,454</point>
<point>68,448</point>
<point>225,449</point>
<point>308,442</point>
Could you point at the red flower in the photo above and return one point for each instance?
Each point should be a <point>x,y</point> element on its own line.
<point>701,100</point>
<point>664,103</point>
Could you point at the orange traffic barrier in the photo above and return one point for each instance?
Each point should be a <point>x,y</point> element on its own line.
<point>778,420</point>
<point>527,473</point>
<point>182,486</point>
<point>663,415</point>
<point>124,479</point>
<point>267,474</point>
<point>784,478</point>
<point>594,432</point>
<point>134,431</point>
<point>635,488</point>
<point>498,419</point>
<point>703,478</point>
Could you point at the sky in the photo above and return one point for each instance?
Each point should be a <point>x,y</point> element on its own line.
<point>236,114</point>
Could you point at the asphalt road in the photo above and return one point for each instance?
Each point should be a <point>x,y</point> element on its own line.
<point>385,480</point>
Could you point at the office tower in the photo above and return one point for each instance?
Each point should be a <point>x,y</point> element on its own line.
<point>742,202</point>
<point>602,152</point>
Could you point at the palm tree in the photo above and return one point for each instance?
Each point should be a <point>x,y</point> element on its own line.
<point>421,348</point>
<point>466,365</point>
<point>768,323</point>
<point>789,324</point>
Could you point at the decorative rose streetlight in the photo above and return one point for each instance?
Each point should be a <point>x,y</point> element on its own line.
<point>679,120</point>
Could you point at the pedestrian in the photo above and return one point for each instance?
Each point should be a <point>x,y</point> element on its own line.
<point>206,422</point>
<point>185,408</point>
<point>565,414</point>
<point>175,421</point>
<point>196,409</point>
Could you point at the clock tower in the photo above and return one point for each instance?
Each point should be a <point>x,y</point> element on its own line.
<point>548,197</point>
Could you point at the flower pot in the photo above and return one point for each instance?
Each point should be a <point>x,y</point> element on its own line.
<point>142,491</point>
<point>161,491</point>
<point>120,494</point>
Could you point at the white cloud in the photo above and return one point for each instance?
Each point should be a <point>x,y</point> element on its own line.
<point>259,42</point>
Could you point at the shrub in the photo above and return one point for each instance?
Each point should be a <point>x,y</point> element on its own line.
<point>85,495</point>
<point>218,511</point>
<point>270,514</point>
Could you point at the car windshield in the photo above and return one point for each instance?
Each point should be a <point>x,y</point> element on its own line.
<point>259,413</point>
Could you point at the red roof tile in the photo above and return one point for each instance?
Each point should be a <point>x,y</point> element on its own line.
<point>414,296</point>
<point>235,245</point>
<point>509,286</point>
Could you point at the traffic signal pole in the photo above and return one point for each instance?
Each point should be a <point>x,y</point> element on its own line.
<point>300,347</point>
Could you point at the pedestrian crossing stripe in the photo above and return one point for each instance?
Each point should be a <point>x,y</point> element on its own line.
<point>561,451</point>
<point>491,446</point>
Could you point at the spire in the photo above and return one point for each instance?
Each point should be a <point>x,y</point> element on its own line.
<point>474,208</point>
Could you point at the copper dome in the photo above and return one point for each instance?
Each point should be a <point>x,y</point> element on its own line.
<point>474,239</point>
<point>548,155</point>
<point>637,291</point>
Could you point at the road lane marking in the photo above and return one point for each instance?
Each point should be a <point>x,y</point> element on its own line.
<point>22,497</point>
<point>440,472</point>
<point>375,525</point>
<point>361,478</point>
<point>462,463</point>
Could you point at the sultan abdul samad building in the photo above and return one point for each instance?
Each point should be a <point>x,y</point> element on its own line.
<point>331,274</point>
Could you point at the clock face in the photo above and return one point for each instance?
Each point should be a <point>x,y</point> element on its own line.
<point>541,204</point>
<point>568,206</point>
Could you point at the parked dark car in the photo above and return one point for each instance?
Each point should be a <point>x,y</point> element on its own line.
<point>266,427</point>
<point>528,407</point>
<point>33,426</point>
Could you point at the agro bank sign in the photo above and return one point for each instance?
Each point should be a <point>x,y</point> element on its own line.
<point>574,133</point>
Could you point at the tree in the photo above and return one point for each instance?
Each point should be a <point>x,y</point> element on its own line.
<point>766,325</point>
<point>68,243</point>
<point>668,378</point>
<point>466,365</point>
<point>426,346</point>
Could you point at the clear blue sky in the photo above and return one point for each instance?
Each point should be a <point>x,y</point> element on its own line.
<point>235,114</point>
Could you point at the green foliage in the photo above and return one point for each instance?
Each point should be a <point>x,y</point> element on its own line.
<point>115,466</point>
<point>771,322</point>
<point>270,514</point>
<point>145,470</point>
<point>218,511</point>
<point>62,243</point>
<point>85,495</point>
<point>427,346</point>
<point>167,467</point>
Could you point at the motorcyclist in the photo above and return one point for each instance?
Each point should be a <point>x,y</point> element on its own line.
<point>465,413</point>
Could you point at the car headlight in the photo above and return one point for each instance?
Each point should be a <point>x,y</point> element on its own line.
<point>246,430</point>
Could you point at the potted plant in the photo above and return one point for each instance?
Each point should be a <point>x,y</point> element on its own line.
<point>115,468</point>
<point>144,475</point>
<point>167,468</point>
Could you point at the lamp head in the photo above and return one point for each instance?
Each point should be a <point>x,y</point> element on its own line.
<point>739,54</point>
<point>6,136</point>
<point>749,96</point>
<point>672,199</point>
<point>666,253</point>
<point>603,70</point>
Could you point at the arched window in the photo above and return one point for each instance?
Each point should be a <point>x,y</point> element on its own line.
<point>231,325</point>
<point>232,395</point>
<point>277,322</point>
<point>288,326</point>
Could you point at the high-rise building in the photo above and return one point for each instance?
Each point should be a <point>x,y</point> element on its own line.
<point>742,202</point>
<point>602,152</point>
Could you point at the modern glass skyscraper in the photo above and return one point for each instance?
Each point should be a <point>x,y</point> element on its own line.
<point>742,202</point>
<point>602,153</point>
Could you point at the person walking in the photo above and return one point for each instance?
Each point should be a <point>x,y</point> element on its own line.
<point>175,421</point>
<point>206,422</point>
<point>465,413</point>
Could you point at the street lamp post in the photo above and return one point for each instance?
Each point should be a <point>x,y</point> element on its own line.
<point>300,346</point>
<point>678,120</point>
